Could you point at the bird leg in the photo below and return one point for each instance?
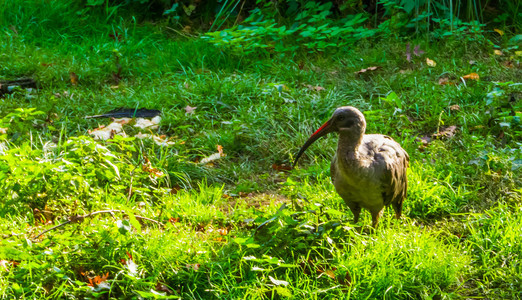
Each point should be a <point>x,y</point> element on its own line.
<point>397,207</point>
<point>375,217</point>
<point>356,210</point>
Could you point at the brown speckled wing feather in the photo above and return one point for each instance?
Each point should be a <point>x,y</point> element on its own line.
<point>395,181</point>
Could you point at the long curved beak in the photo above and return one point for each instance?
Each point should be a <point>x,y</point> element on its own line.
<point>325,129</point>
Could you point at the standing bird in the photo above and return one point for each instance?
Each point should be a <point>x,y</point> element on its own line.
<point>368,170</point>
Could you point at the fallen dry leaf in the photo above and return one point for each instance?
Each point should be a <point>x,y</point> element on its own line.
<point>74,78</point>
<point>425,140</point>
<point>498,52</point>
<point>189,109</point>
<point>160,287</point>
<point>430,63</point>
<point>315,88</point>
<point>158,140</point>
<point>454,107</point>
<point>214,156</point>
<point>281,167</point>
<point>175,189</point>
<point>499,31</point>
<point>508,64</point>
<point>148,124</point>
<point>194,267</point>
<point>445,81</point>
<point>147,167</point>
<point>220,150</point>
<point>98,279</point>
<point>473,76</point>
<point>330,273</point>
<point>122,121</point>
<point>5,264</point>
<point>367,69</point>
<point>107,132</point>
<point>445,132</point>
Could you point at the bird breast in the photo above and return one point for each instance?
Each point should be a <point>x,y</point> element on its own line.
<point>357,181</point>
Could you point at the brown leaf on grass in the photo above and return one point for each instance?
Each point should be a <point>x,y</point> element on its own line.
<point>174,190</point>
<point>315,88</point>
<point>6,263</point>
<point>445,81</point>
<point>445,132</point>
<point>173,220</point>
<point>147,167</point>
<point>508,64</point>
<point>367,69</point>
<point>472,76</point>
<point>244,195</point>
<point>425,140</point>
<point>226,196</point>
<point>214,156</point>
<point>160,287</point>
<point>189,109</point>
<point>222,231</point>
<point>330,273</point>
<point>107,132</point>
<point>98,279</point>
<point>194,267</point>
<point>430,63</point>
<point>148,124</point>
<point>282,167</point>
<point>74,78</point>
<point>454,107</point>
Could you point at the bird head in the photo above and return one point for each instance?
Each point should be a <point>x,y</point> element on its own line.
<point>346,120</point>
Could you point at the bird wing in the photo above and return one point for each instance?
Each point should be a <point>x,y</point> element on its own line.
<point>394,181</point>
<point>333,169</point>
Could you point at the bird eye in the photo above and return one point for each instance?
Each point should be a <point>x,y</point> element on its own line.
<point>340,118</point>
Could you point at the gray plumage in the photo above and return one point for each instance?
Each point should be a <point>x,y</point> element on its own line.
<point>368,170</point>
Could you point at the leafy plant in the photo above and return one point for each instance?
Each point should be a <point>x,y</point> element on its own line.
<point>311,30</point>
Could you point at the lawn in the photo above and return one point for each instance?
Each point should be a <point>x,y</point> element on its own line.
<point>206,204</point>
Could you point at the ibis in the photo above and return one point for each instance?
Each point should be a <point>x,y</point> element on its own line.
<point>367,170</point>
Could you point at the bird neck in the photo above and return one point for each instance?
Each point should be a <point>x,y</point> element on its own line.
<point>348,145</point>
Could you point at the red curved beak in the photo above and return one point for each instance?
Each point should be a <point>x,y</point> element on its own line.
<point>325,129</point>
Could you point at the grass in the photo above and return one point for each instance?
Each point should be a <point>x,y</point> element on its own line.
<point>240,227</point>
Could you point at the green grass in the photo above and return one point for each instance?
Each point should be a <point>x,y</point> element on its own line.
<point>239,228</point>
